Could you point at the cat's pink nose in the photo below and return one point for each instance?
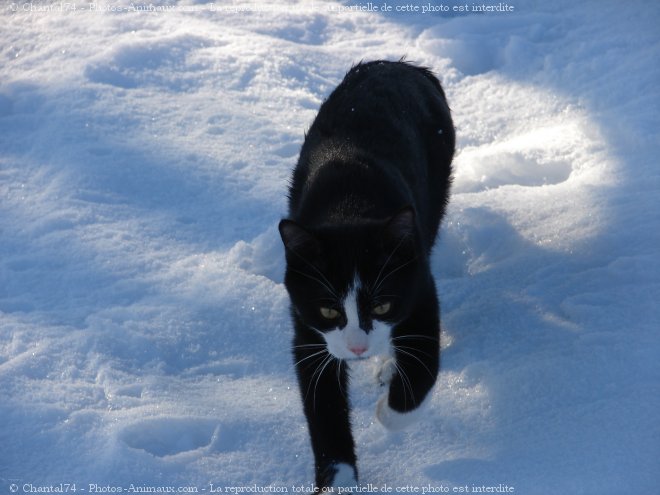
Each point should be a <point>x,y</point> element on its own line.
<point>358,351</point>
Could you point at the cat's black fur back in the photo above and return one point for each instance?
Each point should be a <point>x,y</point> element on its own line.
<point>366,200</point>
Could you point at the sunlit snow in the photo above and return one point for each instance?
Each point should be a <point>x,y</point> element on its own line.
<point>144,163</point>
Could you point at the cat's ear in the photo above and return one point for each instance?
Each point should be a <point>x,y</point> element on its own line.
<point>402,224</point>
<point>296,238</point>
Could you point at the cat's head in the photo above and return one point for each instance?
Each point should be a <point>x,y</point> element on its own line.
<point>353,283</point>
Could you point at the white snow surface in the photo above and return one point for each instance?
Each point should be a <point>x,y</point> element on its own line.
<point>144,328</point>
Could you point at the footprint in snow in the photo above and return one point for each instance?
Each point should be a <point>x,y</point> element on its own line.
<point>163,437</point>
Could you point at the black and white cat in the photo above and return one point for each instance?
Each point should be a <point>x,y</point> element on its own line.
<point>366,200</point>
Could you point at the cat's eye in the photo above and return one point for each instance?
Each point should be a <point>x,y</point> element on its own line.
<point>329,313</point>
<point>381,309</point>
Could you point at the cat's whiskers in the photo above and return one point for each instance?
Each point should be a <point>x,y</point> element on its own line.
<point>329,358</point>
<point>316,370</point>
<point>414,336</point>
<point>400,349</point>
<point>310,356</point>
<point>406,385</point>
<point>341,389</point>
<point>413,349</point>
<point>301,346</point>
<point>320,368</point>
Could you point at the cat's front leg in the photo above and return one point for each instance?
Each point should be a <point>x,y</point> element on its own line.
<point>416,345</point>
<point>323,381</point>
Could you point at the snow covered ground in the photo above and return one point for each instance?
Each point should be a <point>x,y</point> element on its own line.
<point>144,158</point>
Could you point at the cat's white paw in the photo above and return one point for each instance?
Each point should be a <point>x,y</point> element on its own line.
<point>394,420</point>
<point>344,477</point>
<point>385,372</point>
